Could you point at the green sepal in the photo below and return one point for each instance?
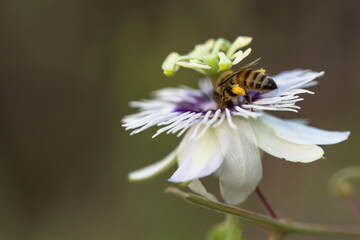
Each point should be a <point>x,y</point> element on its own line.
<point>229,229</point>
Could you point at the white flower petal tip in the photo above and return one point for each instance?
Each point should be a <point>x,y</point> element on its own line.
<point>198,158</point>
<point>241,170</point>
<point>154,169</point>
<point>269,142</point>
<point>197,187</point>
<point>300,133</point>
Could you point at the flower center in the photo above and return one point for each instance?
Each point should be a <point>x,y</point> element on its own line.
<point>202,103</point>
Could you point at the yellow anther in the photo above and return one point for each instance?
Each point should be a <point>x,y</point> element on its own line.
<point>238,90</point>
<point>261,70</point>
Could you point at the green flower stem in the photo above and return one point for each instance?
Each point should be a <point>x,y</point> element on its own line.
<point>276,225</point>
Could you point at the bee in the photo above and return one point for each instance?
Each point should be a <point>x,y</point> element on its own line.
<point>231,84</point>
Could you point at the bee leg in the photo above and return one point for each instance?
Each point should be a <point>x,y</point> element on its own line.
<point>229,104</point>
<point>222,103</point>
<point>216,97</point>
<point>248,99</point>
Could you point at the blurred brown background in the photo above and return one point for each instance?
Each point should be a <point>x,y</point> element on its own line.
<point>69,68</point>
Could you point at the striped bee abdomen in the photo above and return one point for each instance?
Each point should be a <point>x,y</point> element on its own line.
<point>256,80</point>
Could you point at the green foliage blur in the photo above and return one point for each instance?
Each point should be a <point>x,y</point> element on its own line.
<point>229,229</point>
<point>69,68</point>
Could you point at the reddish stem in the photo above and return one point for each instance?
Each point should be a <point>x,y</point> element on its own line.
<point>354,207</point>
<point>266,203</point>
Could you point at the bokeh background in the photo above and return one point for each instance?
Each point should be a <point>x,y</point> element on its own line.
<point>69,68</point>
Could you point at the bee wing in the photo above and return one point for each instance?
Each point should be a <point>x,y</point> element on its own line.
<point>256,61</point>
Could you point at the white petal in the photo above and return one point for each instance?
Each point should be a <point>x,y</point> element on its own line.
<point>153,169</point>
<point>185,144</point>
<point>304,121</point>
<point>272,144</point>
<point>197,158</point>
<point>199,188</point>
<point>241,170</point>
<point>302,134</point>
